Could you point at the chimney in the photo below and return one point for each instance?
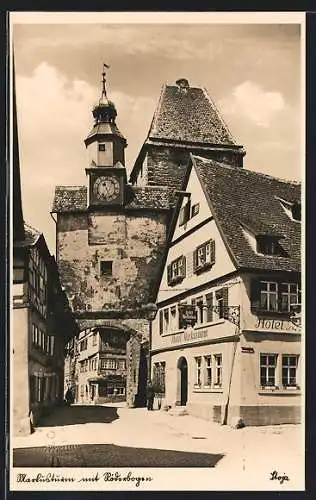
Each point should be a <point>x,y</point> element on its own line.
<point>183,85</point>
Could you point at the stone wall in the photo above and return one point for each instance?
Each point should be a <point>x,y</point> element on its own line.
<point>133,242</point>
<point>167,166</point>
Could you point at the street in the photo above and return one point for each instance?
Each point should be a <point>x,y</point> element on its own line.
<point>116,436</point>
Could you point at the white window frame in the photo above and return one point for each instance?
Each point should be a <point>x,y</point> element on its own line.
<point>269,293</point>
<point>267,366</point>
<point>198,371</point>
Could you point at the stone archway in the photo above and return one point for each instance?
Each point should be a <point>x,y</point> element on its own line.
<point>117,341</point>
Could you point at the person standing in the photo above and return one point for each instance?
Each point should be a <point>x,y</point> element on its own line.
<point>150,396</point>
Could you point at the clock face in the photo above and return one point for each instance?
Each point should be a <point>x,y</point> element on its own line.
<point>106,188</point>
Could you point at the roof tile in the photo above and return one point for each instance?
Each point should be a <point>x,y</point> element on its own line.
<point>240,195</point>
<point>189,116</point>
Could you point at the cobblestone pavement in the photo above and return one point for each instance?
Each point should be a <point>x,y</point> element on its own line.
<point>119,436</point>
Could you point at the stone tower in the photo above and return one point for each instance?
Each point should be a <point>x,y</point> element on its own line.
<point>186,121</point>
<point>110,238</point>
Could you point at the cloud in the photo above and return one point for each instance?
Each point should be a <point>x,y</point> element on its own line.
<point>54,117</point>
<point>250,100</point>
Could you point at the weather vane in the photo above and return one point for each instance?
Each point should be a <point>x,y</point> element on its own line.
<point>103,79</point>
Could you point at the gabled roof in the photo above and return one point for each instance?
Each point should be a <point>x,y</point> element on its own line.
<point>190,116</point>
<point>70,199</point>
<point>75,198</point>
<point>239,195</point>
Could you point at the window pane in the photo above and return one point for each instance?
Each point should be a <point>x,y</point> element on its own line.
<point>264,301</point>
<point>273,287</point>
<point>273,302</point>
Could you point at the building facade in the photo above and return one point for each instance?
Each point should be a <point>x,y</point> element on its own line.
<point>224,344</point>
<point>40,322</point>
<point>110,242</point>
<point>41,325</point>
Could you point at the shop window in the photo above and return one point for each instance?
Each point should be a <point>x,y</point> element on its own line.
<point>289,370</point>
<point>218,370</point>
<point>204,256</point>
<point>106,268</point>
<point>268,364</point>
<point>176,271</point>
<point>198,371</point>
<point>208,370</point>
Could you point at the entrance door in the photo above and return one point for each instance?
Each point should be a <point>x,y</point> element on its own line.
<point>183,366</point>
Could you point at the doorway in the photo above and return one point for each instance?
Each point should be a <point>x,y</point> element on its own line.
<point>182,381</point>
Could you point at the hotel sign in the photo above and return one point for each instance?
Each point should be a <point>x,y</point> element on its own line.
<point>188,335</point>
<point>276,325</point>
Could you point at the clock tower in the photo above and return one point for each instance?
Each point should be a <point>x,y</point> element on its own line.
<point>105,145</point>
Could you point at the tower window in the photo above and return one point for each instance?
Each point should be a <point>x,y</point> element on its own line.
<point>101,147</point>
<point>106,268</point>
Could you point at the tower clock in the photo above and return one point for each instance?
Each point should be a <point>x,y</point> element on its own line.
<point>105,145</point>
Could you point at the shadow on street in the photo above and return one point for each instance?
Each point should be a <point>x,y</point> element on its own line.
<point>79,415</point>
<point>109,455</point>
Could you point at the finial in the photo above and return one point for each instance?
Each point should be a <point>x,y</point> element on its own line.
<point>104,80</point>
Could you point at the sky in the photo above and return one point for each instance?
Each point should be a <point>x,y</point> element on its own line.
<point>251,71</point>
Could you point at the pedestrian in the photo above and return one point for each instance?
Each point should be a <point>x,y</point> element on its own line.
<point>150,395</point>
<point>69,397</point>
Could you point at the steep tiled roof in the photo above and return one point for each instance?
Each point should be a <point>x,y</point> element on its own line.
<point>31,235</point>
<point>105,129</point>
<point>149,197</point>
<point>238,196</point>
<point>74,198</point>
<point>189,116</point>
<point>70,199</point>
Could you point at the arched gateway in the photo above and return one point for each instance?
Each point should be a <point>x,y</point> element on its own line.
<point>107,363</point>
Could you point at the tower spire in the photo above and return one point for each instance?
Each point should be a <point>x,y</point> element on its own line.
<point>103,94</point>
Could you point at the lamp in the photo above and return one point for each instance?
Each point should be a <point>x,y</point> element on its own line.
<point>296,314</point>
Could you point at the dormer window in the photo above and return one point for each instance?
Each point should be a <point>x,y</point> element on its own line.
<point>292,210</point>
<point>268,245</point>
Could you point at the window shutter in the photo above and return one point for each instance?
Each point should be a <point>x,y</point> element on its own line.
<point>169,274</point>
<point>255,294</point>
<point>187,210</point>
<point>181,216</point>
<point>160,322</point>
<point>194,260</point>
<point>209,305</point>
<point>183,272</point>
<point>212,251</point>
<point>225,301</point>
